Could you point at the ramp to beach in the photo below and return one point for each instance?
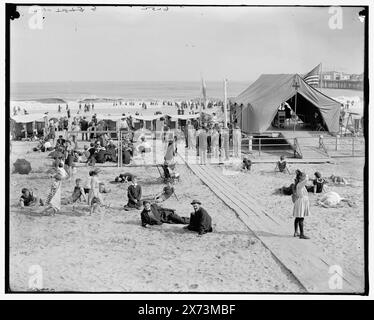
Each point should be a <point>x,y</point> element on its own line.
<point>315,272</point>
<point>308,144</point>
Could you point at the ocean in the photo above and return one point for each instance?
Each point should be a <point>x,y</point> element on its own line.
<point>74,91</point>
<point>43,97</point>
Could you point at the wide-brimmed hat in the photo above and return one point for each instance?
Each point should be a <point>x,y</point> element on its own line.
<point>195,202</point>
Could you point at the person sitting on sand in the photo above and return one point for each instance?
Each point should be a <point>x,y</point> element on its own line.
<point>47,145</point>
<point>27,199</point>
<point>170,172</point>
<point>134,194</point>
<point>79,193</point>
<point>281,165</point>
<point>318,184</point>
<point>111,151</point>
<point>91,160</point>
<point>103,188</point>
<point>153,214</point>
<point>124,177</point>
<point>338,180</point>
<point>166,193</point>
<point>53,200</point>
<point>200,220</point>
<point>60,169</point>
<point>247,164</point>
<point>60,142</point>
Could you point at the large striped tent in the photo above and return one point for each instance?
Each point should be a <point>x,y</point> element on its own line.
<point>255,108</point>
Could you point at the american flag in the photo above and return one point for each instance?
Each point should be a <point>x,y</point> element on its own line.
<point>312,77</point>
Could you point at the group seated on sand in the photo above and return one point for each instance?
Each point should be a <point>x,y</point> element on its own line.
<point>152,213</point>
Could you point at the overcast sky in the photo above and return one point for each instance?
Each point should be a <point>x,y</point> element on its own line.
<point>133,44</point>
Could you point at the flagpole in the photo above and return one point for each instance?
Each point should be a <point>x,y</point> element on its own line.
<point>225,101</point>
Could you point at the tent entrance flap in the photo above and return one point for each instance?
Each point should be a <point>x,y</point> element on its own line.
<point>307,112</point>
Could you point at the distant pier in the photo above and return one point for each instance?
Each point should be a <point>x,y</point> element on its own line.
<point>343,84</point>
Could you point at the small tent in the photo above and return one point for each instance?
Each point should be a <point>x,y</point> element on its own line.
<point>255,108</point>
<point>23,125</point>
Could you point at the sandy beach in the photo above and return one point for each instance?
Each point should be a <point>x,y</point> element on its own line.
<point>339,231</point>
<point>77,252</point>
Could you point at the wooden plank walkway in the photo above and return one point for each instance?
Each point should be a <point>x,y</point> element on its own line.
<point>301,257</point>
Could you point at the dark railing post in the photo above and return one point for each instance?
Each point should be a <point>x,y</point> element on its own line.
<point>259,146</point>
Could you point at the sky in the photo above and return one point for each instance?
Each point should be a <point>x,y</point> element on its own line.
<point>181,43</point>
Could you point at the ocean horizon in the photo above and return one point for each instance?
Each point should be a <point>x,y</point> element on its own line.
<point>79,90</point>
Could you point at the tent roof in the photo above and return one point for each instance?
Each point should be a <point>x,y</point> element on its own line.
<point>109,117</point>
<point>26,118</point>
<point>184,116</point>
<point>148,117</point>
<point>264,96</point>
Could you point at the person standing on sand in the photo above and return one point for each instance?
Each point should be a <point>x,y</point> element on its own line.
<point>225,142</point>
<point>203,145</point>
<point>53,200</point>
<point>84,127</point>
<point>237,141</point>
<point>215,143</point>
<point>94,197</point>
<point>301,205</point>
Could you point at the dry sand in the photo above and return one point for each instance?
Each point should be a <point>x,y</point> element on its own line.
<point>77,252</point>
<point>339,232</point>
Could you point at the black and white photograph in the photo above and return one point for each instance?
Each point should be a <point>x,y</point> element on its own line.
<point>185,148</point>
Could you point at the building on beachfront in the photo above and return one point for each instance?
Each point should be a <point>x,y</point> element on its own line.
<point>341,80</point>
<point>272,101</point>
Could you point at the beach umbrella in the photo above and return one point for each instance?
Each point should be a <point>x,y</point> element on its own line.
<point>22,166</point>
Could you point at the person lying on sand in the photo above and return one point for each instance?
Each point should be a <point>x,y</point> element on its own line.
<point>338,180</point>
<point>153,214</point>
<point>134,195</point>
<point>124,177</point>
<point>166,193</point>
<point>247,164</point>
<point>200,220</point>
<point>27,199</point>
<point>281,165</point>
<point>332,199</point>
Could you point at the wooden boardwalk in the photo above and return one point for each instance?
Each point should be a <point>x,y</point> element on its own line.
<point>301,257</point>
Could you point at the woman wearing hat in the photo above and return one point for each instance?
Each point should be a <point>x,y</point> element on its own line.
<point>200,220</point>
<point>301,205</point>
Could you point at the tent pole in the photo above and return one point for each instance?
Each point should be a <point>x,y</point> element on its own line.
<point>294,124</point>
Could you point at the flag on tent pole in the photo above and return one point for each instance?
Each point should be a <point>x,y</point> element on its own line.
<point>313,77</point>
